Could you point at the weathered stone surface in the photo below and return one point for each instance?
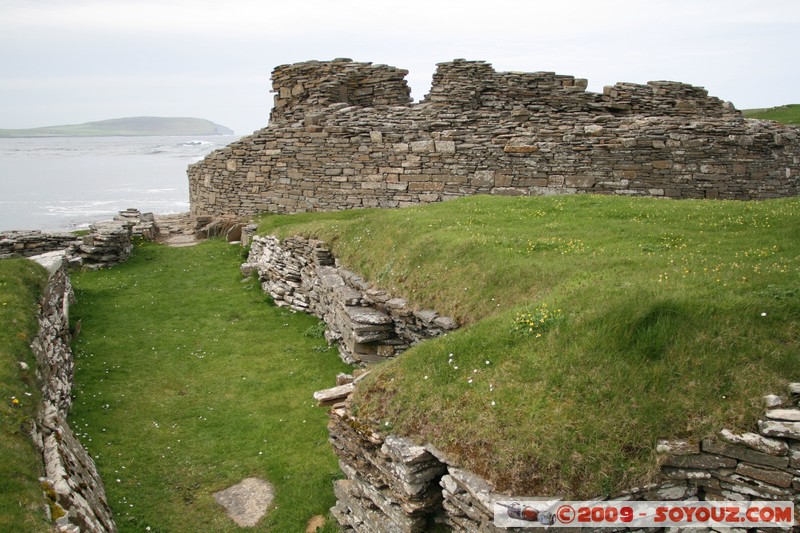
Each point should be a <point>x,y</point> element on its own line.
<point>705,461</point>
<point>772,476</point>
<point>774,428</point>
<point>246,502</point>
<point>791,415</point>
<point>744,453</point>
<point>684,473</point>
<point>677,447</point>
<point>773,400</point>
<point>367,315</point>
<point>756,442</point>
<point>334,394</point>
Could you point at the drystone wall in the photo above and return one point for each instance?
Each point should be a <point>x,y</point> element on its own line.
<point>107,243</point>
<point>391,483</point>
<point>344,135</point>
<point>71,479</point>
<point>368,324</point>
<point>394,484</point>
<point>34,242</point>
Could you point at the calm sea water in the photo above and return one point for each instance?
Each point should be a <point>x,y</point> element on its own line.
<point>67,183</point>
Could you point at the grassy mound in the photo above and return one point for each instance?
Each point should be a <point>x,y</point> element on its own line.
<point>21,500</point>
<point>787,114</point>
<point>596,326</point>
<point>187,382</point>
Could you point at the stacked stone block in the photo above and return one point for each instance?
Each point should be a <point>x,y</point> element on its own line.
<point>107,244</point>
<point>317,84</point>
<point>391,484</point>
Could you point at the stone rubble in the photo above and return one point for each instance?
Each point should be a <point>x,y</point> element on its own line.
<point>367,323</point>
<point>109,243</point>
<point>344,134</point>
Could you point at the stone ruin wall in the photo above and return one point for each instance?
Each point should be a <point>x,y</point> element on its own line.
<point>104,245</point>
<point>345,135</point>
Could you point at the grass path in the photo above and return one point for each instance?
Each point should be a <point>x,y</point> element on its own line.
<point>188,381</point>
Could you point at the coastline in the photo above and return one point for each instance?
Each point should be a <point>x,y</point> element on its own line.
<point>65,184</point>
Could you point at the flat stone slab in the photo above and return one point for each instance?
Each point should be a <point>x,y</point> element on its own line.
<point>181,241</point>
<point>247,501</point>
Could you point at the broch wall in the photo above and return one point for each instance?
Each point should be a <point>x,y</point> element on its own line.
<point>345,135</point>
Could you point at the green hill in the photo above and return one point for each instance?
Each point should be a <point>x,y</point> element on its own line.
<point>131,126</point>
<point>786,114</point>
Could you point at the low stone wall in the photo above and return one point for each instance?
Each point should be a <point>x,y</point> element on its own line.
<point>71,479</point>
<point>390,480</point>
<point>106,244</point>
<point>368,324</point>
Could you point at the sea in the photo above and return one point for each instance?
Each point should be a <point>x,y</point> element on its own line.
<point>66,183</point>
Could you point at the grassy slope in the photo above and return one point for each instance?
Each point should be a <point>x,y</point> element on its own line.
<point>188,382</point>
<point>676,317</point>
<point>787,114</point>
<point>134,126</point>
<point>21,500</point>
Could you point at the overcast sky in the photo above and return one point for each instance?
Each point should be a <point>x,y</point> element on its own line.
<point>73,61</point>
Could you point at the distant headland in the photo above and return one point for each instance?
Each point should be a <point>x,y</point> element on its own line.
<point>131,126</point>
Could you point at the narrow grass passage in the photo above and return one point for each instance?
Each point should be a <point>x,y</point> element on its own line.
<point>188,381</point>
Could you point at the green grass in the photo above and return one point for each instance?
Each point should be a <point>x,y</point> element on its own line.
<point>21,498</point>
<point>668,319</point>
<point>189,381</point>
<point>787,114</point>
